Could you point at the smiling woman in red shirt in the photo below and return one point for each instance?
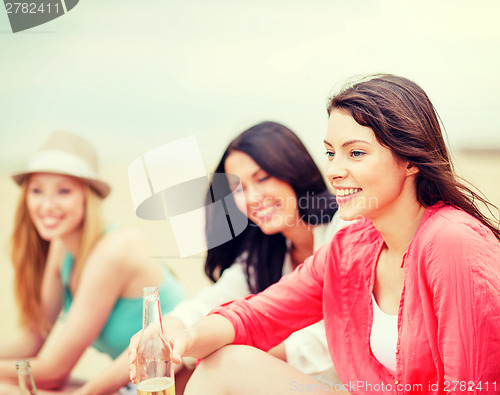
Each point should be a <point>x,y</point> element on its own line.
<point>409,293</point>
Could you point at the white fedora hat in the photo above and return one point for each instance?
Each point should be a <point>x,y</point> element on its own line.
<point>68,154</point>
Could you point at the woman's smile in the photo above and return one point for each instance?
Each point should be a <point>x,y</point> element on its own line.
<point>265,213</point>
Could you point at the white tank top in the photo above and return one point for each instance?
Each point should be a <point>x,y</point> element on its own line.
<point>384,336</point>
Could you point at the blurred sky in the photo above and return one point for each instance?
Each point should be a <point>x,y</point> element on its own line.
<point>132,75</point>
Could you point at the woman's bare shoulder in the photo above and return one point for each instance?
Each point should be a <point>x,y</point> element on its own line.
<point>124,247</point>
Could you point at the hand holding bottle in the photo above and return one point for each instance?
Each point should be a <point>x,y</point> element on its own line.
<point>177,339</point>
<point>154,370</point>
<point>198,341</point>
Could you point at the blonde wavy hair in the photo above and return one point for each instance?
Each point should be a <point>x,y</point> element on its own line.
<point>29,256</point>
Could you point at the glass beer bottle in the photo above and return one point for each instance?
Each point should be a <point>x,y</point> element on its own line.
<point>155,375</point>
<point>25,378</point>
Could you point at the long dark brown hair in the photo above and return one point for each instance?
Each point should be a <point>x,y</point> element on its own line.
<point>405,121</point>
<point>281,154</point>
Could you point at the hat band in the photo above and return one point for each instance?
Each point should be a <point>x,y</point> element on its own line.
<point>60,162</point>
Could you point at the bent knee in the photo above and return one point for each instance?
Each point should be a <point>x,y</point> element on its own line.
<point>8,389</point>
<point>230,357</point>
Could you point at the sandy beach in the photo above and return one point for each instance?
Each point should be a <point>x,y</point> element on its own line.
<point>477,167</point>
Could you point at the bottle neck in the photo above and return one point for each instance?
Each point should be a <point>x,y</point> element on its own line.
<point>25,378</point>
<point>151,311</point>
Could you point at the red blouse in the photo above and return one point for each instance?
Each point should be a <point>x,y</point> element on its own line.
<point>449,313</point>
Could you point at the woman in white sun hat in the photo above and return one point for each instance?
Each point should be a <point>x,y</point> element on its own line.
<point>65,259</point>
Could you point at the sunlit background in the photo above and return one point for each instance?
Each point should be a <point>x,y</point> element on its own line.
<point>131,75</point>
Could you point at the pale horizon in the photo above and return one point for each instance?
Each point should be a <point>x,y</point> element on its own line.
<point>131,76</point>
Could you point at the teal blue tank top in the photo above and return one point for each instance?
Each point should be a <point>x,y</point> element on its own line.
<point>126,317</point>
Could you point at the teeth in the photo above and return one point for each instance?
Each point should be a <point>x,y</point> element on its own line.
<point>347,191</point>
<point>49,221</point>
<point>264,212</point>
